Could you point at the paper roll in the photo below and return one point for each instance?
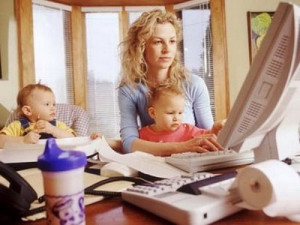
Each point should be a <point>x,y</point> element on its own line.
<point>272,186</point>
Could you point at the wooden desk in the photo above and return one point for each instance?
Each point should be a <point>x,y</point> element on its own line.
<point>114,212</point>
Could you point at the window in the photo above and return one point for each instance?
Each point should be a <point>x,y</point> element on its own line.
<point>103,66</point>
<point>52,51</point>
<point>197,43</point>
<point>103,69</point>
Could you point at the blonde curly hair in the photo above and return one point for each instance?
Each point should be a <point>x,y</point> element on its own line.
<point>134,65</point>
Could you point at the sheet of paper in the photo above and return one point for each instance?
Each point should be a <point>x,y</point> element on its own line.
<point>143,162</point>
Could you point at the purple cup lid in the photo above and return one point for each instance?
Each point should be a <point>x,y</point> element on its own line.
<point>56,159</point>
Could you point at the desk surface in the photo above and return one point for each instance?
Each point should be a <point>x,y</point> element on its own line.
<point>114,211</point>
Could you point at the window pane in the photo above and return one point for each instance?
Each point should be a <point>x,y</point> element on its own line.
<point>103,66</point>
<point>197,47</point>
<point>52,52</point>
<point>133,16</point>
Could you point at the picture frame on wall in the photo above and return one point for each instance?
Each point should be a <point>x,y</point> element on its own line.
<point>258,25</point>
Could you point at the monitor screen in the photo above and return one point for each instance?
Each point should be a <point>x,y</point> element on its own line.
<point>265,116</point>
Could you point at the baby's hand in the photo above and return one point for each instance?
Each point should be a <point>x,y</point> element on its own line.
<point>32,137</point>
<point>95,135</point>
<point>44,126</point>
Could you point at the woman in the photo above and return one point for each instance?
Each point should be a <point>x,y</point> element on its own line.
<point>150,57</point>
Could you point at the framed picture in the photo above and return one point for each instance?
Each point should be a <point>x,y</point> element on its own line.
<point>258,24</point>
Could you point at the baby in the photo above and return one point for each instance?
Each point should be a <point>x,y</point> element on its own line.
<point>166,105</point>
<point>36,107</point>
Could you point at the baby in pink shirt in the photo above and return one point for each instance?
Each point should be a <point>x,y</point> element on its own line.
<point>166,105</point>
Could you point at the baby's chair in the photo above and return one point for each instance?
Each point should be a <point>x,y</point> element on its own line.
<point>72,115</point>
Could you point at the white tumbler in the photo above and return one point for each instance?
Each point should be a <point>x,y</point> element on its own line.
<point>63,184</point>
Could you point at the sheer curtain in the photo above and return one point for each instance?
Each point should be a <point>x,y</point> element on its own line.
<point>103,66</point>
<point>52,50</point>
<point>197,42</point>
<point>103,69</point>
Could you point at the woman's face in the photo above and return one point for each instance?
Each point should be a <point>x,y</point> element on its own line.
<point>161,48</point>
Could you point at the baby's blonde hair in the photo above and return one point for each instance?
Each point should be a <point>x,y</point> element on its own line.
<point>163,89</point>
<point>134,66</point>
<point>25,92</point>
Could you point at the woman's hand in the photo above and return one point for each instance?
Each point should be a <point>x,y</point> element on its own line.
<point>203,143</point>
<point>218,125</point>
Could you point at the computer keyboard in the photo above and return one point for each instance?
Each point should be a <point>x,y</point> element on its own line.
<point>195,162</point>
<point>198,198</point>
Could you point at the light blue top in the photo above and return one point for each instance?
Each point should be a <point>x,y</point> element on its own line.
<point>133,105</point>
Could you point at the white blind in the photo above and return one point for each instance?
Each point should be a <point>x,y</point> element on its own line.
<point>103,66</point>
<point>52,50</point>
<point>197,43</point>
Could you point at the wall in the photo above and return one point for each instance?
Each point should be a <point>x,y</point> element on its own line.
<point>8,43</point>
<point>237,37</point>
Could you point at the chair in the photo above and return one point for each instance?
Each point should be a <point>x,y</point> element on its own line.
<point>72,115</point>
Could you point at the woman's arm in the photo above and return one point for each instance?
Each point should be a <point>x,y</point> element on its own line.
<point>129,101</point>
<point>201,105</point>
<point>198,96</point>
<point>218,126</point>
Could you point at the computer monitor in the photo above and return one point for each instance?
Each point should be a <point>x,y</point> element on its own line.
<point>265,116</point>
